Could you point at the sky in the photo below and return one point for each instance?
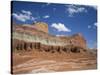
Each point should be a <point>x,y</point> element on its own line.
<point>62,19</point>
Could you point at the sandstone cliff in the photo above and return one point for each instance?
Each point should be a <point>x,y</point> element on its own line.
<point>27,37</point>
<point>41,26</point>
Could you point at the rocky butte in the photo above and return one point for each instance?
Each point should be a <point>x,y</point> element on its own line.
<point>36,36</point>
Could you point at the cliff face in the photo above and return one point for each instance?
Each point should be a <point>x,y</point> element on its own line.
<point>36,36</point>
<point>78,40</point>
<point>41,26</point>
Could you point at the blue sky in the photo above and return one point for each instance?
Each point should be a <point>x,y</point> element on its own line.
<point>62,19</point>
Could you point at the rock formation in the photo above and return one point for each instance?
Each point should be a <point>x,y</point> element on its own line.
<point>36,37</point>
<point>41,26</point>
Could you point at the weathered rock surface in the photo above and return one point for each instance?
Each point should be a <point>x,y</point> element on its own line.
<point>28,37</point>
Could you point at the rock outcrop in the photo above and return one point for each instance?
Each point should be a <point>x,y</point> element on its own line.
<point>41,26</point>
<point>36,37</point>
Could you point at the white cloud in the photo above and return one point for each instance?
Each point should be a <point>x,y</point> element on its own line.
<point>89,26</point>
<point>73,9</point>
<point>92,26</point>
<point>60,35</point>
<point>24,16</point>
<point>60,27</point>
<point>46,16</point>
<point>95,24</point>
<point>26,12</point>
<point>21,17</point>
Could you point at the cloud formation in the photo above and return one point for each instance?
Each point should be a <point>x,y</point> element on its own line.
<point>95,24</point>
<point>24,16</point>
<point>26,12</point>
<point>89,26</point>
<point>60,35</point>
<point>92,26</point>
<point>46,16</point>
<point>60,27</point>
<point>73,9</point>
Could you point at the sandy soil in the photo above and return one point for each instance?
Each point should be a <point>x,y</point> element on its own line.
<point>38,62</point>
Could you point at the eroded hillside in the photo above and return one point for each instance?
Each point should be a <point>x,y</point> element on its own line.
<point>35,50</point>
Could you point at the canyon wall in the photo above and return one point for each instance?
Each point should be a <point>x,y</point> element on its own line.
<point>28,37</point>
